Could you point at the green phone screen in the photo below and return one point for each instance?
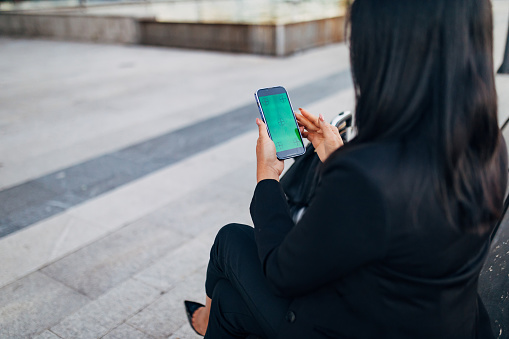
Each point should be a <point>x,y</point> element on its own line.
<point>281,122</point>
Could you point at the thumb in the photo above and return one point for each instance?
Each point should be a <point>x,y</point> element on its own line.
<point>262,130</point>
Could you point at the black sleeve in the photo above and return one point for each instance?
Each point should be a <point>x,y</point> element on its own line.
<point>343,229</point>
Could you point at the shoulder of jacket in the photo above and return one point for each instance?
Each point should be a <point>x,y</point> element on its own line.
<point>371,159</point>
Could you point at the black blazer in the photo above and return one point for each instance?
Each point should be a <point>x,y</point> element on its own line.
<point>362,263</point>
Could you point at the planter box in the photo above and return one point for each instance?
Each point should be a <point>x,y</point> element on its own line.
<point>280,40</point>
<point>266,39</point>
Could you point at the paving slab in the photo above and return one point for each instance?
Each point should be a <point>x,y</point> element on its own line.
<point>9,226</point>
<point>185,332</point>
<point>47,335</point>
<point>126,331</point>
<point>241,183</point>
<point>34,303</point>
<point>166,316</point>
<point>20,197</point>
<point>121,206</point>
<point>22,253</point>
<point>213,205</point>
<point>176,266</point>
<point>98,317</point>
<point>97,268</point>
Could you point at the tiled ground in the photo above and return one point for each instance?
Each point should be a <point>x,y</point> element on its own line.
<point>119,264</point>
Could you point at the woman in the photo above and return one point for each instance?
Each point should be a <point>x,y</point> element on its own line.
<point>393,242</point>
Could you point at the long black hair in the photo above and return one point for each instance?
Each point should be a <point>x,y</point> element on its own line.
<point>426,68</point>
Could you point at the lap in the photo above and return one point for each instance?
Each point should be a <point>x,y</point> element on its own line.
<point>235,255</point>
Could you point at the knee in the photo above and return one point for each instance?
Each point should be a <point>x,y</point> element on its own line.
<point>232,239</point>
<point>233,231</point>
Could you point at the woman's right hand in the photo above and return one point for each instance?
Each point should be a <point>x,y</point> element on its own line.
<point>324,136</point>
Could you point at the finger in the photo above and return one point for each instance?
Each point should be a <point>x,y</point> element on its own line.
<point>306,113</point>
<point>299,117</point>
<point>306,122</point>
<point>313,119</point>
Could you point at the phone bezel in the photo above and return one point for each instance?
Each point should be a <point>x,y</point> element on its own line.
<point>291,153</point>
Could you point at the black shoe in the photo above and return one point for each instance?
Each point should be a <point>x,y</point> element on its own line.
<point>191,307</point>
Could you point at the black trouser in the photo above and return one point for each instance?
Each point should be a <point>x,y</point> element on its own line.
<point>242,301</point>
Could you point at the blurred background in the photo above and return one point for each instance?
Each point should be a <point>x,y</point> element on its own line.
<point>127,137</point>
<point>273,27</point>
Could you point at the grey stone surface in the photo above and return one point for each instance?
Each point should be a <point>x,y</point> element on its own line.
<point>241,183</point>
<point>7,226</point>
<point>95,269</point>
<point>98,317</point>
<point>34,303</point>
<point>24,204</point>
<point>93,177</point>
<point>19,197</point>
<point>213,205</point>
<point>85,328</point>
<point>199,214</point>
<point>47,335</point>
<point>166,316</point>
<point>34,212</point>
<point>176,266</point>
<point>177,145</point>
<point>126,331</point>
<point>184,332</point>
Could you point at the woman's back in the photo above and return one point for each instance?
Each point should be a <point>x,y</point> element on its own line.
<point>421,281</point>
<point>426,284</point>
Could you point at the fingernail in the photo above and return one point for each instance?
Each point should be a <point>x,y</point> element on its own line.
<point>321,117</point>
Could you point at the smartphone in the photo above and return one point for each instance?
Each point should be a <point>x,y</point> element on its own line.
<point>277,113</point>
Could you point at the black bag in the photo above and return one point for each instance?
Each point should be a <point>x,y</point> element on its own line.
<point>300,181</point>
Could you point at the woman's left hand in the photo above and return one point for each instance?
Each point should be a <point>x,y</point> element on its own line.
<point>324,137</point>
<point>268,166</point>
